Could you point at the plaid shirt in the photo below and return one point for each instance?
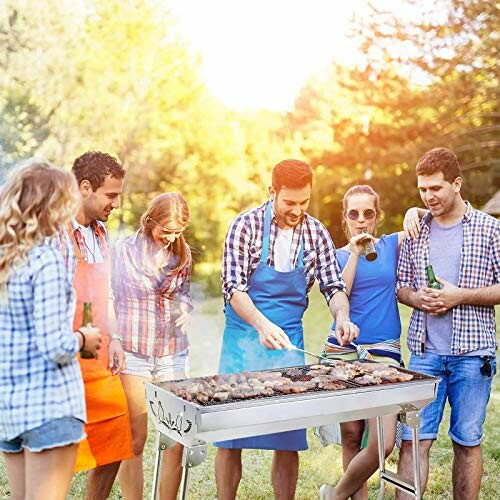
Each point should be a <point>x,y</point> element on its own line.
<point>243,248</point>
<point>40,379</point>
<point>62,241</point>
<point>144,302</point>
<point>473,326</point>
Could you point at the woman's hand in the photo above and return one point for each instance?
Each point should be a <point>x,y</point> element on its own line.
<point>93,339</point>
<point>183,320</point>
<point>411,223</point>
<point>116,356</point>
<point>357,243</point>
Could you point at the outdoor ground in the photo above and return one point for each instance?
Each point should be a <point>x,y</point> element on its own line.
<point>318,465</point>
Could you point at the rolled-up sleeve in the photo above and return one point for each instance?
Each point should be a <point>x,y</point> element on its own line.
<point>327,268</point>
<point>53,330</point>
<point>236,258</point>
<point>405,275</point>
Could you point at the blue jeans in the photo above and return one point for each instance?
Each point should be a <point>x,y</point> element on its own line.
<point>52,434</point>
<point>465,388</point>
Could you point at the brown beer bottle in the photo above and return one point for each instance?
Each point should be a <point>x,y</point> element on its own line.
<point>432,282</point>
<point>87,321</point>
<point>370,251</point>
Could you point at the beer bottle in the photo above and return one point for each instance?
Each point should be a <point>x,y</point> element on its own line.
<point>370,251</point>
<point>86,321</point>
<point>432,282</point>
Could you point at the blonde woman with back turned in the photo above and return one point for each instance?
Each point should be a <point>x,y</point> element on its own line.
<point>42,406</point>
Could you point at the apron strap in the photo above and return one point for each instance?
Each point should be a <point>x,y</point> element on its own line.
<point>266,239</point>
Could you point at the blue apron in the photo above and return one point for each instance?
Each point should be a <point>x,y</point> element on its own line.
<point>282,298</point>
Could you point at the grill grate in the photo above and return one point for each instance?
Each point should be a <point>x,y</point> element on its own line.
<point>303,369</point>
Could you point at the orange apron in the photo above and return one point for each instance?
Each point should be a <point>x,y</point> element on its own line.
<point>108,427</point>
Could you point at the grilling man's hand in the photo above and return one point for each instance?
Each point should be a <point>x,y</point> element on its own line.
<point>346,331</point>
<point>272,336</point>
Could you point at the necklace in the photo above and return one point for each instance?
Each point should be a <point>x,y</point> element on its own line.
<point>93,250</point>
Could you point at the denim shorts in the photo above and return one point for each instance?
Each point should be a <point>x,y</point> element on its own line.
<point>465,388</point>
<point>52,434</point>
<point>157,369</point>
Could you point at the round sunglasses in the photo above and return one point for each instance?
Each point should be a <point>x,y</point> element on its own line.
<point>369,213</point>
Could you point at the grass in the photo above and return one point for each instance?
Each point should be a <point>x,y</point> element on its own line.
<point>318,465</point>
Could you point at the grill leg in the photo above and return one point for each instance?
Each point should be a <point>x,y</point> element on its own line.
<point>410,417</point>
<point>381,456</point>
<point>191,457</point>
<point>416,461</point>
<point>162,443</point>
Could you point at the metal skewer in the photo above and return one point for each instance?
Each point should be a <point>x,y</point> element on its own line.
<point>291,347</point>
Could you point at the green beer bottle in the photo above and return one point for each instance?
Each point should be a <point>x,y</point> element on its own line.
<point>370,251</point>
<point>86,321</point>
<point>432,282</point>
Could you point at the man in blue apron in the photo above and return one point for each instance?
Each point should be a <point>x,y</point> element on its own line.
<point>272,255</point>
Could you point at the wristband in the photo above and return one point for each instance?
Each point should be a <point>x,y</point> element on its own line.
<point>83,339</point>
<point>116,336</point>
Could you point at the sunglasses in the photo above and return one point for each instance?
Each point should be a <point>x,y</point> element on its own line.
<point>369,213</point>
<point>485,367</point>
<point>167,230</point>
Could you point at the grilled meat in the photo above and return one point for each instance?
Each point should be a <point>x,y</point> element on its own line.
<point>245,385</point>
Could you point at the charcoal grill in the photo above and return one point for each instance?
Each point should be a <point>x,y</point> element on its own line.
<point>194,425</point>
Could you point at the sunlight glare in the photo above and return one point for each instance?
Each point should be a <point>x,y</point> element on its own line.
<point>259,54</point>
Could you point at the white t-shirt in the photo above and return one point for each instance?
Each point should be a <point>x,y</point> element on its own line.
<point>282,250</point>
<point>92,244</point>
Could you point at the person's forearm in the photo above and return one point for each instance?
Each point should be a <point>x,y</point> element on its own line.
<point>407,295</point>
<point>245,308</point>
<point>349,271</point>
<point>112,324</point>
<point>339,306</point>
<point>486,296</point>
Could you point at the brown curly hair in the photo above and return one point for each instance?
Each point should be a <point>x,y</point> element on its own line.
<point>95,166</point>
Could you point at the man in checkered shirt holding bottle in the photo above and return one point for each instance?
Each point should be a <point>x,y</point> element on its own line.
<point>452,332</point>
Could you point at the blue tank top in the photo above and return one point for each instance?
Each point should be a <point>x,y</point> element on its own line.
<point>372,300</point>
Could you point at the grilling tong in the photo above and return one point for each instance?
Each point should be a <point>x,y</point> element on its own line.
<point>291,347</point>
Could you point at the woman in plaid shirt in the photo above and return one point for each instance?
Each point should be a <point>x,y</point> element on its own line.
<point>42,405</point>
<point>151,279</point>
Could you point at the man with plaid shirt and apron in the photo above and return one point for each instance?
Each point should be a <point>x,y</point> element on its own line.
<point>272,255</point>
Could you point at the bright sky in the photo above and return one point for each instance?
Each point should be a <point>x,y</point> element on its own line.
<point>259,53</point>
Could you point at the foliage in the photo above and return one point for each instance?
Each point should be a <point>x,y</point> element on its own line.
<point>118,76</point>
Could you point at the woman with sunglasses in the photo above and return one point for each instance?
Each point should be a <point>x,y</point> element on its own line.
<point>151,279</point>
<point>371,288</point>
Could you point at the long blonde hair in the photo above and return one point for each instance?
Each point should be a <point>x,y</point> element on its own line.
<point>166,208</point>
<point>35,202</point>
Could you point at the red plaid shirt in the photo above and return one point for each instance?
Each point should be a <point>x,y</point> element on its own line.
<point>144,302</point>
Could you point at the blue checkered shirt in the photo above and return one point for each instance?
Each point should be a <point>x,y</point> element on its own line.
<point>243,248</point>
<point>40,379</point>
<point>473,326</point>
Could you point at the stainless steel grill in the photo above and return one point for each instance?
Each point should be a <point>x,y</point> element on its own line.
<point>194,425</point>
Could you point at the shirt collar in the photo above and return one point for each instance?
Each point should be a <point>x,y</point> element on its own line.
<point>426,219</point>
<point>76,225</point>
